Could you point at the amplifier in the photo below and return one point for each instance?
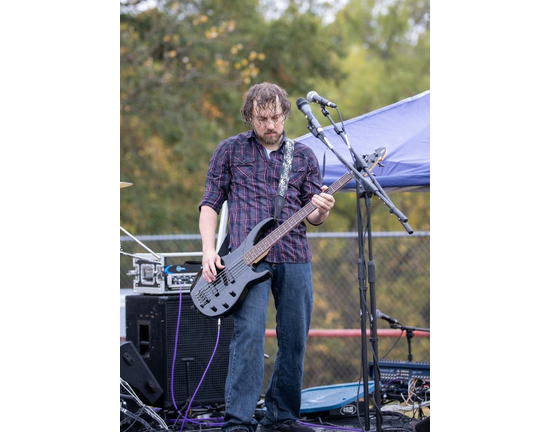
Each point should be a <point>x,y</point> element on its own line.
<point>401,370</point>
<point>168,276</point>
<point>176,343</point>
<point>404,380</point>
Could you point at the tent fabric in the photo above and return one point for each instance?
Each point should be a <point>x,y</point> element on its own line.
<point>402,128</point>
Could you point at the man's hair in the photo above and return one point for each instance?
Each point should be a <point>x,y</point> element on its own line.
<point>265,95</point>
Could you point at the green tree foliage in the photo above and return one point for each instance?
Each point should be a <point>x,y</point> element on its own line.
<point>185,66</point>
<point>387,49</point>
<point>178,77</point>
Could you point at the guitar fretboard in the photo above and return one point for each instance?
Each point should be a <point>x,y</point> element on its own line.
<point>269,241</point>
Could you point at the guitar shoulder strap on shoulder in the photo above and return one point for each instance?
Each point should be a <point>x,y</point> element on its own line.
<point>281,192</point>
<point>283,181</point>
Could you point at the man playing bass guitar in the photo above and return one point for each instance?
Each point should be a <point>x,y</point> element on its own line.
<point>245,170</point>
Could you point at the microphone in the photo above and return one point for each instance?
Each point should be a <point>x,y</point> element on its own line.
<point>315,128</point>
<point>312,96</point>
<point>380,315</point>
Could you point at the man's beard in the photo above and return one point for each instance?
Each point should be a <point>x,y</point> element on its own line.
<point>271,139</point>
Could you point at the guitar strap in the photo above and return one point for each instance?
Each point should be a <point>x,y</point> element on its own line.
<point>224,248</point>
<point>283,181</point>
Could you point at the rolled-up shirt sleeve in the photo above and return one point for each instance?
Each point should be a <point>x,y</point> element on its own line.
<point>217,179</point>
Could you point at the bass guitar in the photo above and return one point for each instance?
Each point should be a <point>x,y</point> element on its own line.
<point>222,297</point>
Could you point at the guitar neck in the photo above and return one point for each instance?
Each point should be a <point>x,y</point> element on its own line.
<point>269,241</point>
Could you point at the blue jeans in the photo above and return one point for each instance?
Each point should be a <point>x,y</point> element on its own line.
<point>292,289</point>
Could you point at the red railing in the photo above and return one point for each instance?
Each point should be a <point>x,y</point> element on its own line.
<point>393,333</point>
<point>341,333</point>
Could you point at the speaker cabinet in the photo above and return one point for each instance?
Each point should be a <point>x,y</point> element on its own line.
<point>176,342</point>
<point>135,372</point>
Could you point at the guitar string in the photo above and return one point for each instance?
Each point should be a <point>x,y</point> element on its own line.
<point>237,269</point>
<point>214,288</point>
<point>234,269</point>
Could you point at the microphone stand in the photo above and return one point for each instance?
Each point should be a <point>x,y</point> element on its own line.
<point>365,188</point>
<point>360,163</point>
<point>410,334</point>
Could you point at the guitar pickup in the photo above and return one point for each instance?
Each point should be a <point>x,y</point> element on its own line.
<point>227,277</point>
<point>203,299</point>
<point>214,286</point>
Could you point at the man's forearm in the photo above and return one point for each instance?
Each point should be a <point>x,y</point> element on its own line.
<point>208,222</point>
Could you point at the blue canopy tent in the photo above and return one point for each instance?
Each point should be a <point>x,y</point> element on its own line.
<point>402,128</point>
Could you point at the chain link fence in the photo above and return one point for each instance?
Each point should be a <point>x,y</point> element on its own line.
<point>401,290</point>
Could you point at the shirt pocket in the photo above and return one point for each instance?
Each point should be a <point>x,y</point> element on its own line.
<point>297,175</point>
<point>243,170</point>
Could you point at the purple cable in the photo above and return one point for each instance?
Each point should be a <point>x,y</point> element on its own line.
<point>175,352</point>
<point>174,362</point>
<point>203,375</point>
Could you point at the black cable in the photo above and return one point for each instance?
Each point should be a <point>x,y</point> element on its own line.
<point>386,417</point>
<point>393,346</point>
<point>135,418</point>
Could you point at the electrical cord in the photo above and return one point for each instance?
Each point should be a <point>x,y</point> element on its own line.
<point>136,418</point>
<point>143,407</point>
<point>174,362</point>
<point>176,351</point>
<point>203,375</point>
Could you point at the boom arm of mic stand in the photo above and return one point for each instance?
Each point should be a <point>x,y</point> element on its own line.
<point>384,197</point>
<point>410,334</point>
<point>368,185</point>
<point>374,187</point>
<point>402,327</point>
<point>154,254</point>
<point>138,257</point>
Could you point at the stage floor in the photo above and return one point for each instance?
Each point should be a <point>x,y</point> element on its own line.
<point>393,418</point>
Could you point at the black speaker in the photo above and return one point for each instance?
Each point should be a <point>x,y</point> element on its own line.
<point>135,372</point>
<point>176,342</point>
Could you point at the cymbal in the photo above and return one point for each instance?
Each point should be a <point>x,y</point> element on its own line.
<point>125,184</point>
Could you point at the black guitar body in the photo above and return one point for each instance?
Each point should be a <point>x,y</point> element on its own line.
<point>227,292</point>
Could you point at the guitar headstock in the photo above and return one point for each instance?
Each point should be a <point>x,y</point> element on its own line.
<point>371,161</point>
<point>374,159</point>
